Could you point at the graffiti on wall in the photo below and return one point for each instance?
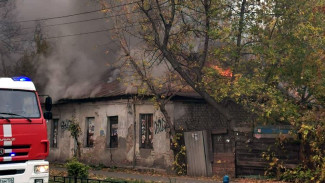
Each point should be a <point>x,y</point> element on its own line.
<point>159,125</point>
<point>65,124</point>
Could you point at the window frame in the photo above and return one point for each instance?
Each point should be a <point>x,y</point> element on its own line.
<point>111,119</point>
<point>149,119</point>
<point>52,133</point>
<point>88,137</point>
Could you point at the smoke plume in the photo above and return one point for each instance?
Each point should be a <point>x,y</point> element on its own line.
<point>75,63</point>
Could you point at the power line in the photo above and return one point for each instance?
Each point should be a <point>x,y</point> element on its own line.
<point>79,21</point>
<point>84,33</point>
<point>91,32</point>
<point>82,13</point>
<point>87,20</point>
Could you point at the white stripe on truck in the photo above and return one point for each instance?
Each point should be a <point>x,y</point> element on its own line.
<point>7,132</point>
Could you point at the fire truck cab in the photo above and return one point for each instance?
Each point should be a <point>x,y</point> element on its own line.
<point>23,132</point>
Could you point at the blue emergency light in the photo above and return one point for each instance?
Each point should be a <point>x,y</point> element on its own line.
<point>12,154</point>
<point>21,78</point>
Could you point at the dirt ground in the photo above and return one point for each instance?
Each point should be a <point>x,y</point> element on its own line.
<point>96,173</point>
<point>247,180</point>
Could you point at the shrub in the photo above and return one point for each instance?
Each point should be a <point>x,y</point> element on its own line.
<point>300,174</point>
<point>77,169</point>
<point>75,132</point>
<point>179,164</point>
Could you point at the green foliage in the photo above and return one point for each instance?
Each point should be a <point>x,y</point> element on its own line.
<point>75,132</point>
<point>77,169</point>
<point>300,174</point>
<point>281,78</point>
<point>280,64</point>
<point>267,56</point>
<point>311,129</point>
<point>179,164</point>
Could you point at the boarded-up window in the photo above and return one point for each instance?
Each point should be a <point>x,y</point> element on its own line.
<point>90,127</point>
<point>146,130</point>
<point>112,136</point>
<point>54,134</point>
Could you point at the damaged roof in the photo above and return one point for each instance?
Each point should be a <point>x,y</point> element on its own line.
<point>115,89</point>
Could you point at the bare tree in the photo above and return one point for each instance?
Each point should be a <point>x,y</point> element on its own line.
<point>177,32</point>
<point>148,64</point>
<point>8,31</point>
<point>162,87</point>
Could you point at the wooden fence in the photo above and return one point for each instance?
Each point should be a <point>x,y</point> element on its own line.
<point>249,160</point>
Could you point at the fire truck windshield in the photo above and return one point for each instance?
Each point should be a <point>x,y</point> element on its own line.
<point>18,104</point>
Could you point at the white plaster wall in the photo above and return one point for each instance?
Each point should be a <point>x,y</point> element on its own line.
<point>123,155</point>
<point>64,150</point>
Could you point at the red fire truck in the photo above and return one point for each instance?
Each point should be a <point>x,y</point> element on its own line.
<point>23,132</point>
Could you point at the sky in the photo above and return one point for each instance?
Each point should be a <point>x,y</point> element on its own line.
<point>77,62</point>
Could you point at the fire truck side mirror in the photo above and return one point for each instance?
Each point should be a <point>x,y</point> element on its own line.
<point>48,115</point>
<point>48,103</point>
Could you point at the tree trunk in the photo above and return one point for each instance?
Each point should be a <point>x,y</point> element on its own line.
<point>168,120</point>
<point>208,98</point>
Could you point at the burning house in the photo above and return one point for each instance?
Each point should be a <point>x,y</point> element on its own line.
<point>121,128</point>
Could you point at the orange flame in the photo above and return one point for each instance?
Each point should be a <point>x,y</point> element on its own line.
<point>222,72</point>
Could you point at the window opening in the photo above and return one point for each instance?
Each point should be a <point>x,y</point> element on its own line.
<point>146,130</point>
<point>112,132</point>
<point>90,126</point>
<point>55,133</point>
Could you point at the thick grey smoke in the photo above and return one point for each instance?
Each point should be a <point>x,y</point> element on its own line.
<point>76,63</point>
<point>70,73</point>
